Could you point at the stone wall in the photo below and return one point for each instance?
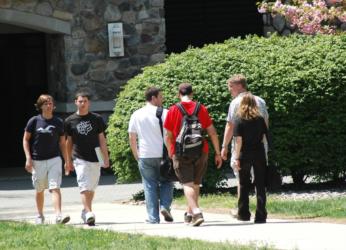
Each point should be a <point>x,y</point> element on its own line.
<point>276,24</point>
<point>80,59</point>
<point>279,25</point>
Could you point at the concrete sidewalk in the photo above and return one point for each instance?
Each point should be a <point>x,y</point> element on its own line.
<point>280,234</point>
<point>17,203</point>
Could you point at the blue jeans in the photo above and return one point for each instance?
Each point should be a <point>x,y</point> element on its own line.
<point>158,192</point>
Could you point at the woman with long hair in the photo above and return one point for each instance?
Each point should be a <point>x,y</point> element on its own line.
<point>249,130</point>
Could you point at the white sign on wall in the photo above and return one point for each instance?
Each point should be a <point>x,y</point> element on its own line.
<point>116,39</point>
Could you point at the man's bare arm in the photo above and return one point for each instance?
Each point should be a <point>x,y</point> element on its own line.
<point>169,141</point>
<point>215,141</point>
<point>133,144</point>
<point>26,147</point>
<point>227,137</point>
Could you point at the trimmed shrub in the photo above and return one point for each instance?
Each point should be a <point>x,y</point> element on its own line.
<point>302,79</point>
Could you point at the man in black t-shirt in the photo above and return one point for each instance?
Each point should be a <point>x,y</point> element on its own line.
<point>43,144</point>
<point>86,145</point>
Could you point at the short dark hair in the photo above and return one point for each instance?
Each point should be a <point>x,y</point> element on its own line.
<point>185,89</point>
<point>82,93</point>
<point>150,92</point>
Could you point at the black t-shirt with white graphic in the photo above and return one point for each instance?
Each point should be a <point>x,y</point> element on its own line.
<point>45,136</point>
<point>85,131</point>
<point>252,132</point>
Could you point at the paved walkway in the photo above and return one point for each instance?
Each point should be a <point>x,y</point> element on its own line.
<point>112,215</point>
<point>280,234</point>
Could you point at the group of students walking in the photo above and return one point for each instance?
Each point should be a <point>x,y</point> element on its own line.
<point>81,142</point>
<point>246,128</point>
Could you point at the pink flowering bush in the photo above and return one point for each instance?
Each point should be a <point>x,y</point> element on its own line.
<point>309,17</point>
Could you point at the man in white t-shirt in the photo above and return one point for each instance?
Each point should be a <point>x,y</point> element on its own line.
<point>237,86</point>
<point>144,126</point>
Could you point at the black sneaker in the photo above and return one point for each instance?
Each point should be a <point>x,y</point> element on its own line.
<point>167,215</point>
<point>187,218</point>
<point>197,219</point>
<point>241,218</point>
<point>260,221</point>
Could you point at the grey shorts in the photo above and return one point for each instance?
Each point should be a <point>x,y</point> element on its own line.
<point>88,174</point>
<point>47,174</point>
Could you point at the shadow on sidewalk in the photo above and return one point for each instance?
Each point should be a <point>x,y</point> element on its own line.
<point>220,224</point>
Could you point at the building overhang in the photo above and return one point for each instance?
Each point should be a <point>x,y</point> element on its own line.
<point>35,22</point>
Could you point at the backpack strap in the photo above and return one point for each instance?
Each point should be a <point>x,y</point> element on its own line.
<point>159,112</point>
<point>181,108</point>
<point>196,110</point>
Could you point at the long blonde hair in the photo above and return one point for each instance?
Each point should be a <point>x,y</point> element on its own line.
<point>248,108</point>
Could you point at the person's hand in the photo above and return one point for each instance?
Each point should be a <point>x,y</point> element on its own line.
<point>170,154</point>
<point>218,160</point>
<point>28,165</point>
<point>106,163</point>
<point>237,164</point>
<point>224,153</point>
<point>67,171</point>
<point>136,157</point>
<point>68,167</point>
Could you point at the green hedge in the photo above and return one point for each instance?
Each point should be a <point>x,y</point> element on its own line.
<point>302,79</point>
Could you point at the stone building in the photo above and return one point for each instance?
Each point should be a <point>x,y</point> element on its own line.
<point>60,46</point>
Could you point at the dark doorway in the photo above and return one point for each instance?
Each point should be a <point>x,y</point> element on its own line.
<point>199,22</point>
<point>23,79</point>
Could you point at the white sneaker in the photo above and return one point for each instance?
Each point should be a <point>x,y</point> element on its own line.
<point>62,219</point>
<point>39,220</point>
<point>90,218</point>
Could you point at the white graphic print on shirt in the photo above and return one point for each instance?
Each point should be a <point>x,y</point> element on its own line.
<point>47,130</point>
<point>84,127</point>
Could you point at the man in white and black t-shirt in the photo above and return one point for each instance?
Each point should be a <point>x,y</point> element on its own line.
<point>85,137</point>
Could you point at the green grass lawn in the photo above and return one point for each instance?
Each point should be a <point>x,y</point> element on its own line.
<point>16,235</point>
<point>332,208</point>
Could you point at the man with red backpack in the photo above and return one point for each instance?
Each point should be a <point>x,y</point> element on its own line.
<point>185,124</point>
